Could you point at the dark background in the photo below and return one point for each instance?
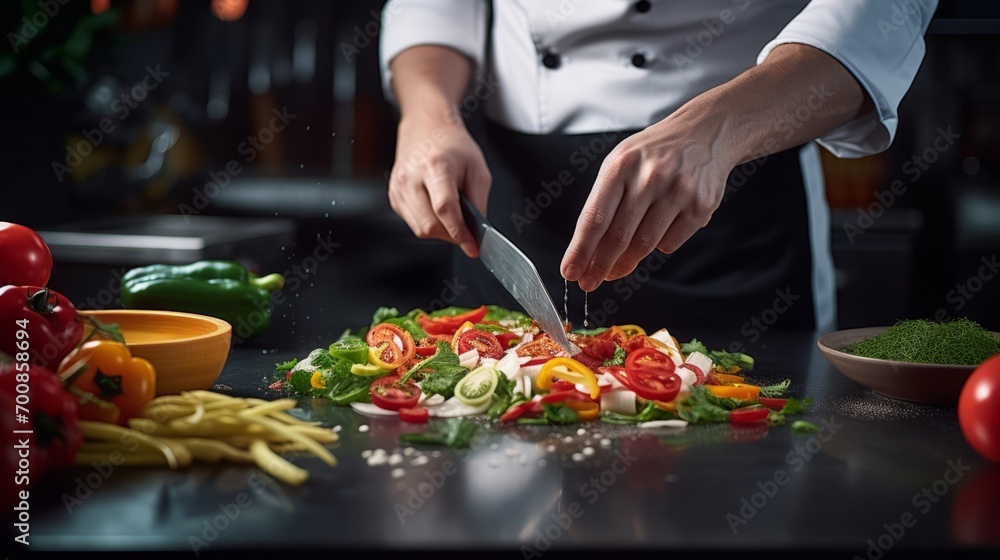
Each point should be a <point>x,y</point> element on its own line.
<point>323,177</point>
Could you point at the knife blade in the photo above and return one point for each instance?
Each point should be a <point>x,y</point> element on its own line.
<point>517,274</point>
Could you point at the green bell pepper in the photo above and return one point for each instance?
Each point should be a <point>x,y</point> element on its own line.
<point>223,289</point>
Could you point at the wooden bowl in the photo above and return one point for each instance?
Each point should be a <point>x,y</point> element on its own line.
<point>923,383</point>
<point>187,350</point>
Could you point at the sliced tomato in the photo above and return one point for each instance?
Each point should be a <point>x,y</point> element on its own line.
<point>389,346</point>
<point>560,385</point>
<point>650,374</point>
<point>588,360</point>
<point>428,346</point>
<point>748,414</point>
<point>487,344</point>
<point>389,394</point>
<point>615,335</point>
<point>599,348</point>
<point>276,386</point>
<point>449,324</point>
<point>772,403</point>
<point>526,409</point>
<point>507,339</point>
<point>418,415</point>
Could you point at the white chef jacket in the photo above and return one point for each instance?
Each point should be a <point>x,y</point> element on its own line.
<point>581,66</point>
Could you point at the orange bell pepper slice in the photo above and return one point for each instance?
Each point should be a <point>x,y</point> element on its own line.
<point>587,411</point>
<point>740,391</point>
<point>729,378</point>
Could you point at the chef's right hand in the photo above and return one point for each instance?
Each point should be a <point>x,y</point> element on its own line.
<point>436,159</point>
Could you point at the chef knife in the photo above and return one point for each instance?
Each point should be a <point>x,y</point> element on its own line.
<point>516,272</point>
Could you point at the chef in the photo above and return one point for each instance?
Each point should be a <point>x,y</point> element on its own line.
<point>660,153</point>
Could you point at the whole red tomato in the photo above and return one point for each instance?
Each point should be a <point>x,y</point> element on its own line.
<point>979,409</point>
<point>25,259</point>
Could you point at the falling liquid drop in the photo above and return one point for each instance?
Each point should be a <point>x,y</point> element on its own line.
<point>565,302</point>
<point>585,310</point>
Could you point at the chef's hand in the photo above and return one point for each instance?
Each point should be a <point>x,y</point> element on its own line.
<point>434,162</point>
<point>436,158</point>
<point>653,191</point>
<point>659,187</point>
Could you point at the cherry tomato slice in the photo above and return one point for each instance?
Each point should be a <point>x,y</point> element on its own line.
<point>566,395</point>
<point>487,344</point>
<point>599,349</point>
<point>506,339</point>
<point>650,374</point>
<point>389,394</point>
<point>418,415</point>
<point>428,346</point>
<point>773,404</point>
<point>615,335</point>
<point>749,414</point>
<point>520,410</point>
<point>384,350</point>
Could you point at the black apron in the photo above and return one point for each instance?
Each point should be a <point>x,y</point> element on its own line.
<point>750,268</point>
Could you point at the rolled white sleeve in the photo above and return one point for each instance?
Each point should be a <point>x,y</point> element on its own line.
<point>458,24</point>
<point>881,43</point>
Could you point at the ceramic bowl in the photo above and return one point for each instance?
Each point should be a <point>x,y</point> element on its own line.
<point>923,383</point>
<point>187,350</point>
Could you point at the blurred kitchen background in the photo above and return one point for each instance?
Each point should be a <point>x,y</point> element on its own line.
<point>200,142</point>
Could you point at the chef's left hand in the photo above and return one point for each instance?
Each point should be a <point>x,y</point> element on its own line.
<point>653,191</point>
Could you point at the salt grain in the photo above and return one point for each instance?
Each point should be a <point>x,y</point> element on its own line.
<point>366,453</point>
<point>581,432</point>
<point>588,451</point>
<point>418,461</point>
<point>363,428</point>
<point>578,457</point>
<point>512,452</point>
<point>395,459</point>
<point>398,473</point>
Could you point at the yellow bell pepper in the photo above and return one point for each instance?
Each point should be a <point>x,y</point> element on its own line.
<point>569,370</point>
<point>587,411</point>
<point>729,378</point>
<point>633,330</point>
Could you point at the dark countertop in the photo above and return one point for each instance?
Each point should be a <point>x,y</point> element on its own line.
<point>709,487</point>
<point>684,491</point>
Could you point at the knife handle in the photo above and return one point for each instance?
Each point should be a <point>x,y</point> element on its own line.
<point>473,218</point>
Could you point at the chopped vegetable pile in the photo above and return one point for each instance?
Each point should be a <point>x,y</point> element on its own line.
<point>957,342</point>
<point>497,363</point>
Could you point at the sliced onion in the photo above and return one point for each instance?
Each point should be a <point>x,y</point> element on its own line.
<point>469,359</point>
<point>368,409</point>
<point>509,365</point>
<point>621,401</point>
<point>663,424</point>
<point>454,407</point>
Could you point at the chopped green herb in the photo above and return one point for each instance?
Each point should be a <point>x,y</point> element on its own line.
<point>721,358</point>
<point>957,342</point>
<point>618,359</point>
<point>804,427</point>
<point>456,433</point>
<point>776,391</point>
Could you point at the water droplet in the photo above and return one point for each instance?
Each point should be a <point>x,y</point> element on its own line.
<point>302,166</point>
<point>333,134</point>
<point>333,203</point>
<point>326,215</point>
<point>307,128</point>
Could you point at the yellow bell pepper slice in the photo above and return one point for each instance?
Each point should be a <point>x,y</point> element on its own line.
<point>736,391</point>
<point>569,370</point>
<point>632,330</point>
<point>466,326</point>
